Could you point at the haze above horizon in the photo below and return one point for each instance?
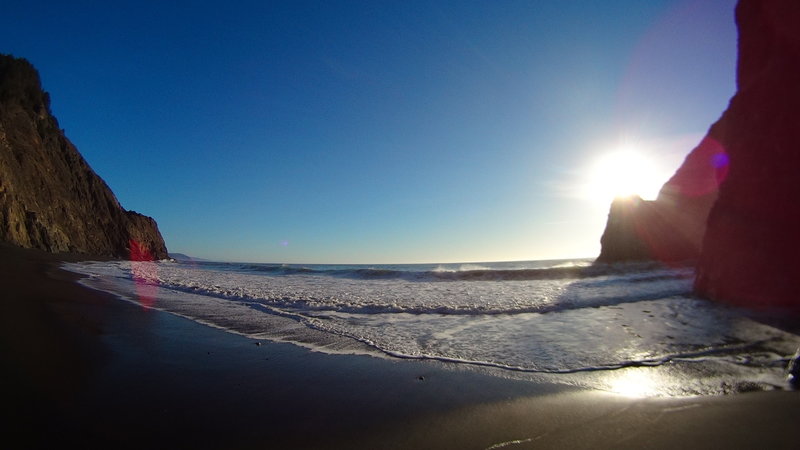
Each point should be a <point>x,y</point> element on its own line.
<point>379,132</point>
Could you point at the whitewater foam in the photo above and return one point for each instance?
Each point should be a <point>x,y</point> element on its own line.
<point>553,318</point>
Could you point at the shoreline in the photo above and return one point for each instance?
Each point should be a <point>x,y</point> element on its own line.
<point>88,368</point>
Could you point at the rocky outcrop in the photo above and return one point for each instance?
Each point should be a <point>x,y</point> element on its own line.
<point>752,239</point>
<point>50,198</point>
<point>734,204</point>
<point>671,227</point>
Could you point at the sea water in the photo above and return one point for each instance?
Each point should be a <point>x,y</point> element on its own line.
<point>629,328</point>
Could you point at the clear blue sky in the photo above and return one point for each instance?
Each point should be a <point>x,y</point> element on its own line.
<point>375,131</point>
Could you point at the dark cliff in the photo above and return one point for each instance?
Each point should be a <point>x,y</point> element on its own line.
<point>752,240</point>
<point>50,199</point>
<point>734,204</point>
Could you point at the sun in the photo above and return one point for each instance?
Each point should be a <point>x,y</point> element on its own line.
<point>623,172</point>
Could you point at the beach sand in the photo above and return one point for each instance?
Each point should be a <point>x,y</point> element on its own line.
<point>83,367</point>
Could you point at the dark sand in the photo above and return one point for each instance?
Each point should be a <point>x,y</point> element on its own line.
<point>83,367</point>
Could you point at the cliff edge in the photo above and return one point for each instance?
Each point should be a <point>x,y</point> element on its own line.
<point>50,199</point>
<point>734,204</point>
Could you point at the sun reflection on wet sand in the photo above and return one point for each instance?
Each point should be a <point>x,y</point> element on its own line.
<point>635,382</point>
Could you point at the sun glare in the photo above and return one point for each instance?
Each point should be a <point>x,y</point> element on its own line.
<point>622,173</point>
<point>634,383</point>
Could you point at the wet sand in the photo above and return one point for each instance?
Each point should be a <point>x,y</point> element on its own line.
<point>84,367</point>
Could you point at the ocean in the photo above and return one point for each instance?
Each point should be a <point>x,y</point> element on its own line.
<point>632,329</point>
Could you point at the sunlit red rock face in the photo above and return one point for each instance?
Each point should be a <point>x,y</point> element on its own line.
<point>50,198</point>
<point>734,204</point>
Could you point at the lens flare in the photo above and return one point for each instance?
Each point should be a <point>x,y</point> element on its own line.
<point>144,272</point>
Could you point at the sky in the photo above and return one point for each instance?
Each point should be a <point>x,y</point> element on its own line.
<point>378,132</point>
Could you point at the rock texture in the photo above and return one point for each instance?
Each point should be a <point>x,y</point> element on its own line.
<point>734,204</point>
<point>50,198</point>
